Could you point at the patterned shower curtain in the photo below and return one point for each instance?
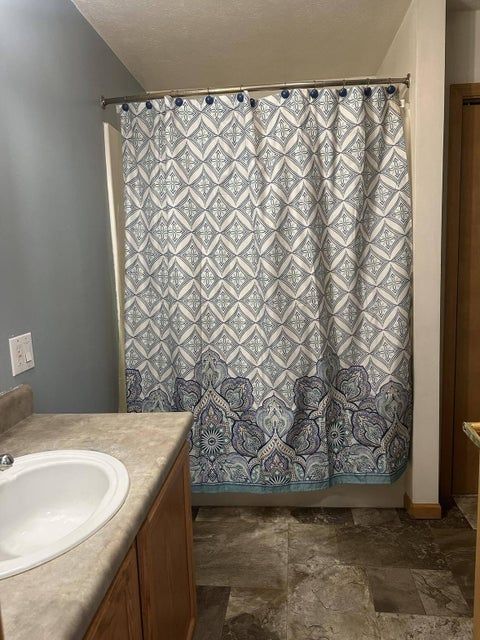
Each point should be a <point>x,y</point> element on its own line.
<point>268,284</point>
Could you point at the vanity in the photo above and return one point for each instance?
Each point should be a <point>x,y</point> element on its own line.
<point>472,430</point>
<point>132,579</point>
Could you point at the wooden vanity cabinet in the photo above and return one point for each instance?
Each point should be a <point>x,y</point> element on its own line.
<point>153,595</point>
<point>167,586</point>
<point>119,614</point>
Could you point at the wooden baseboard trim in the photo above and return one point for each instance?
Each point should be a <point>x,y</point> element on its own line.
<point>422,510</point>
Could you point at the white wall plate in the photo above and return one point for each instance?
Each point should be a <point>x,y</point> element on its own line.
<point>21,353</point>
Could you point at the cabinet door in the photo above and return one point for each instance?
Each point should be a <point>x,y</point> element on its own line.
<point>119,613</point>
<point>167,587</point>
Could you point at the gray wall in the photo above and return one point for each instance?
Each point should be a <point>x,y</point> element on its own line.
<point>55,261</point>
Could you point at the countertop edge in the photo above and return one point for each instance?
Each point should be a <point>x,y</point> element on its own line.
<point>472,430</point>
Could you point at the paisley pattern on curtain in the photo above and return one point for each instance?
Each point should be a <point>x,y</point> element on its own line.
<point>268,284</point>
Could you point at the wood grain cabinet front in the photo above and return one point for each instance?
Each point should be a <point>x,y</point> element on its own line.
<point>153,595</point>
<point>119,613</point>
<point>167,586</point>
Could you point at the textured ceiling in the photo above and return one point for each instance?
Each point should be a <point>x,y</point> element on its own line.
<point>201,43</point>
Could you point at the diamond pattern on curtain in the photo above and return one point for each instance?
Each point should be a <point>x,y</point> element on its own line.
<point>268,284</point>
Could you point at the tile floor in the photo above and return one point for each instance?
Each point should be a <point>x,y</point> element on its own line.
<point>468,506</point>
<point>319,574</point>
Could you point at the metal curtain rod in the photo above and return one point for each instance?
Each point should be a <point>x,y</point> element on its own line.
<point>153,95</point>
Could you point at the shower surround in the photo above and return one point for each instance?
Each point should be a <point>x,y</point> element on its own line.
<point>268,283</point>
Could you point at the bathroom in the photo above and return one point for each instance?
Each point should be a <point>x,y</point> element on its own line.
<point>239,337</point>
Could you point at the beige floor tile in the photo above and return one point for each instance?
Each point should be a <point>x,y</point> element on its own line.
<point>468,506</point>
<point>240,554</point>
<point>312,544</point>
<point>334,626</point>
<point>440,594</point>
<point>403,627</point>
<point>316,589</point>
<point>394,591</point>
<point>256,614</point>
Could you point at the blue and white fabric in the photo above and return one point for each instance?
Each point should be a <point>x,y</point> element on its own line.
<point>268,284</point>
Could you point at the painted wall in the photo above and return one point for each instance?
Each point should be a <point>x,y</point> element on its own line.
<point>463,47</point>
<point>419,49</point>
<point>462,62</point>
<point>55,265</point>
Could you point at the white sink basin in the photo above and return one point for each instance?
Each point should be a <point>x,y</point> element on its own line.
<point>52,501</point>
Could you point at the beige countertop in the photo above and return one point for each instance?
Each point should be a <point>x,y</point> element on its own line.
<point>58,600</point>
<point>472,429</point>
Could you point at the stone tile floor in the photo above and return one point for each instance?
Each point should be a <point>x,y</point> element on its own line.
<point>320,573</point>
<point>468,506</point>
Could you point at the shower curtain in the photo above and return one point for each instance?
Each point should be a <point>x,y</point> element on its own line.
<point>268,283</point>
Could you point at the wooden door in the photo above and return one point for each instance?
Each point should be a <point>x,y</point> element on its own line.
<point>167,588</point>
<point>119,613</point>
<point>467,352</point>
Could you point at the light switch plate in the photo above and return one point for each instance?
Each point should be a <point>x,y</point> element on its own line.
<point>21,353</point>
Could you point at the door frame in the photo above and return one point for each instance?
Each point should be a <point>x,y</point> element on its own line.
<point>458,94</point>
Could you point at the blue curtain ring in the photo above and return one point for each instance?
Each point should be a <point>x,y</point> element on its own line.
<point>179,102</point>
<point>285,93</point>
<point>125,106</point>
<point>240,97</point>
<point>148,104</point>
<point>209,99</point>
<point>391,89</point>
<point>367,91</point>
<point>314,93</point>
<point>252,102</point>
<point>343,92</point>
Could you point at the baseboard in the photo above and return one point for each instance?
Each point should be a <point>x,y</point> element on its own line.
<point>422,510</point>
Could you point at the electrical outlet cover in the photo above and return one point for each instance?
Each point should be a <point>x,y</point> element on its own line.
<point>21,353</point>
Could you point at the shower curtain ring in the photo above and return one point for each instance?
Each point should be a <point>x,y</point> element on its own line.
<point>368,89</point>
<point>391,87</point>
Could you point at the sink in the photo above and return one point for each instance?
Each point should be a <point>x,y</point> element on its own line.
<point>52,501</point>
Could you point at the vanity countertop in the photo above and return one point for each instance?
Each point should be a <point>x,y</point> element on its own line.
<point>472,429</point>
<point>58,599</point>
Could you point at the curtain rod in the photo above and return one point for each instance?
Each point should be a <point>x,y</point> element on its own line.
<point>153,95</point>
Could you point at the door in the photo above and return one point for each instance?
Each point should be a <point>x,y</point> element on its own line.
<point>167,589</point>
<point>467,351</point>
<point>119,615</point>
